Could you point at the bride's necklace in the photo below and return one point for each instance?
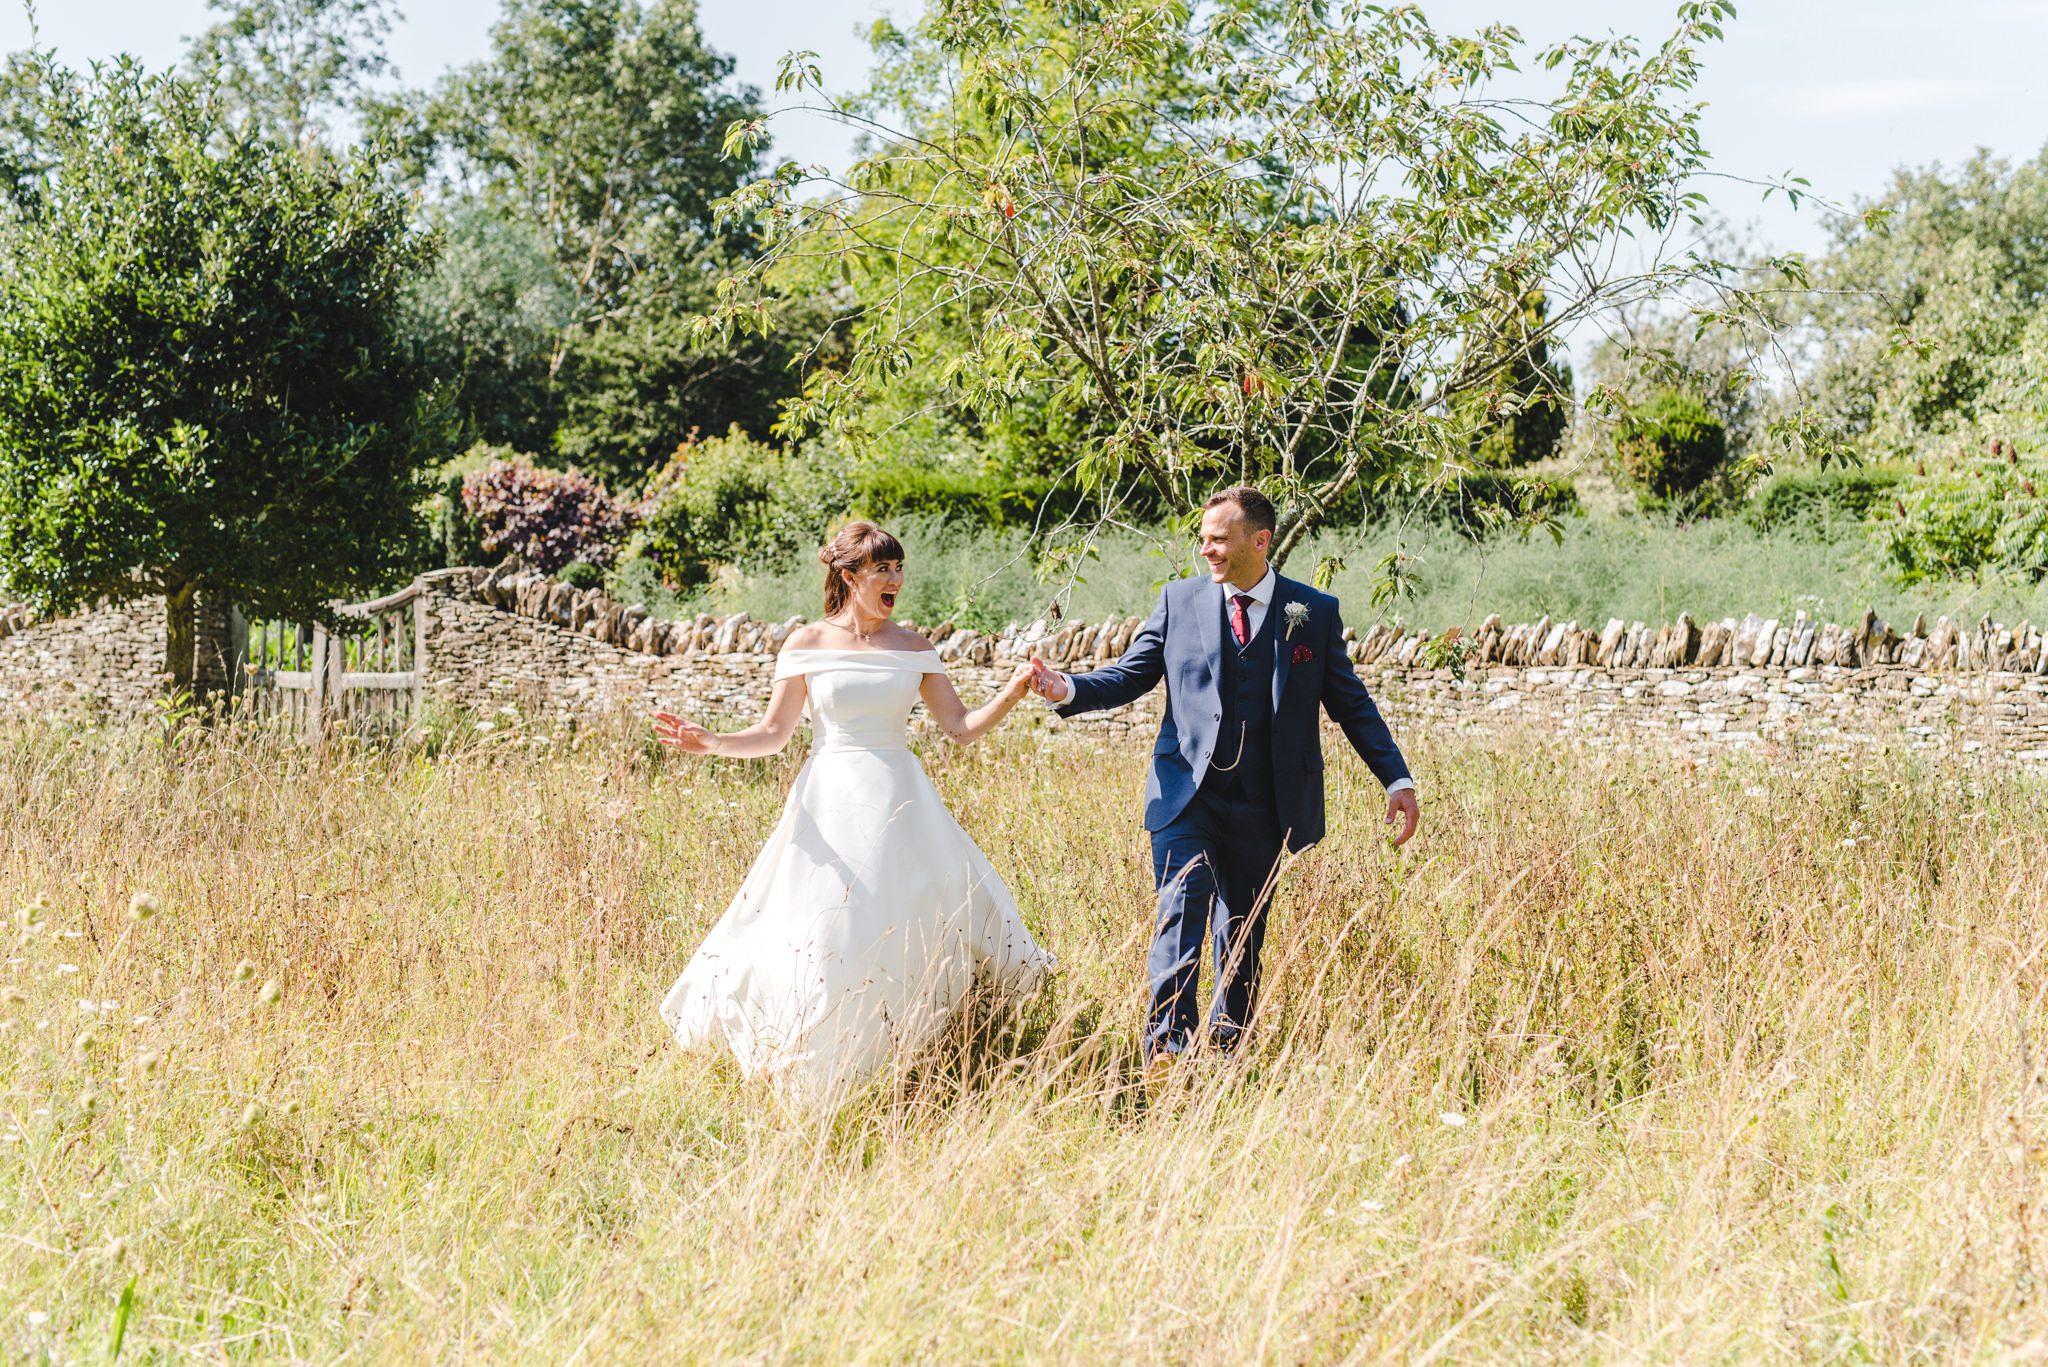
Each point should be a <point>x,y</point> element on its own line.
<point>852,626</point>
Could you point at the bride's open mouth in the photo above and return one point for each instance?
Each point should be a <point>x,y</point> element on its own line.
<point>888,602</point>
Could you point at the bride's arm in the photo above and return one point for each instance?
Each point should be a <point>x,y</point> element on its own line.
<point>952,715</point>
<point>765,737</point>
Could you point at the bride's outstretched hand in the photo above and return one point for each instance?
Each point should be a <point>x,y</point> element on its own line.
<point>685,735</point>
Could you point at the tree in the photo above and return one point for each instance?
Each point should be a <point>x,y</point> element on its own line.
<point>1524,419</point>
<point>203,388</point>
<point>285,68</point>
<point>26,139</point>
<point>595,127</point>
<point>1315,256</point>
<point>1926,296</point>
<point>1670,445</point>
<point>488,316</point>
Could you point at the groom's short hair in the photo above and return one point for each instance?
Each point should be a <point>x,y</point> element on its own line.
<point>1255,506</point>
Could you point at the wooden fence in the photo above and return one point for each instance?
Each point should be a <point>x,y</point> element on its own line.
<point>369,679</point>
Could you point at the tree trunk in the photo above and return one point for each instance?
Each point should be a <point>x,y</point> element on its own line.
<point>178,639</point>
<point>1294,522</point>
<point>213,649</point>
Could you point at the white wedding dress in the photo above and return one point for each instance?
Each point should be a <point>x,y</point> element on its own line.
<point>869,912</point>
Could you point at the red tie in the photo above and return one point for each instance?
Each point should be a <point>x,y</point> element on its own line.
<point>1240,625</point>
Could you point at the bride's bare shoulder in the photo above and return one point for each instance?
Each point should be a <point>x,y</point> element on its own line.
<point>900,637</point>
<point>809,636</point>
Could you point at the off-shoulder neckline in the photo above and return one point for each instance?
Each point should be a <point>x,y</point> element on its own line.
<point>855,650</point>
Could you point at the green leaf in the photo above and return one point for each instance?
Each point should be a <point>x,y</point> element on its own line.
<point>122,1310</point>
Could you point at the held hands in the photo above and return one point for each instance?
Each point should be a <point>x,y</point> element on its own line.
<point>1405,805</point>
<point>1046,681</point>
<point>686,736</point>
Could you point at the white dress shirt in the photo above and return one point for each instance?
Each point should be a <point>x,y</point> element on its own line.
<point>1255,611</point>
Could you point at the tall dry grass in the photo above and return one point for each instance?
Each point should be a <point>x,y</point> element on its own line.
<point>1621,1060</point>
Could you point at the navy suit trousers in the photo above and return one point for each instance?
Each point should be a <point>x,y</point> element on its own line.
<point>1214,866</point>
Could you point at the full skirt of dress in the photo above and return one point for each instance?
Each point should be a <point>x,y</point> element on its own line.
<point>858,931</point>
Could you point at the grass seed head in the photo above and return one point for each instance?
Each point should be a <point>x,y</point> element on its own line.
<point>141,907</point>
<point>245,970</point>
<point>268,994</point>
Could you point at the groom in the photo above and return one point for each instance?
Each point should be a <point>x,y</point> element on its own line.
<point>1237,773</point>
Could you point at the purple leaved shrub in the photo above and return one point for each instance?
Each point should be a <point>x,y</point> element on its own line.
<point>551,518</point>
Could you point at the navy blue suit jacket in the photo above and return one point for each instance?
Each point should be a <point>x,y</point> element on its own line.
<point>1182,643</point>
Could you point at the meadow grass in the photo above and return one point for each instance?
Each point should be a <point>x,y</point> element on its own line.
<point>1634,567</point>
<point>1623,1059</point>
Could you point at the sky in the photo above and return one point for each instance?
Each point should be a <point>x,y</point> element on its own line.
<point>1838,91</point>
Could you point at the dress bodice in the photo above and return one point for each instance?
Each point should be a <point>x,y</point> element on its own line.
<point>859,699</point>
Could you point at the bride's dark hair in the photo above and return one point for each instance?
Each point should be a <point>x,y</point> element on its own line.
<point>858,544</point>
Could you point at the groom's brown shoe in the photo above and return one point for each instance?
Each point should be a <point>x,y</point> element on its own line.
<point>1159,1075</point>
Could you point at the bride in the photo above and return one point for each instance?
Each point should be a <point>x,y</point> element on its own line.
<point>868,913</point>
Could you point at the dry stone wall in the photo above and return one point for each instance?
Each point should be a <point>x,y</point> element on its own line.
<point>510,636</point>
<point>99,664</point>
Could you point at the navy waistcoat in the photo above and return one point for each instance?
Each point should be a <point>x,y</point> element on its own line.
<point>1246,689</point>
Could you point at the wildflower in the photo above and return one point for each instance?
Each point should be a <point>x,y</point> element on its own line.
<point>32,915</point>
<point>251,1113</point>
<point>141,907</point>
<point>1452,1119</point>
<point>245,970</point>
<point>86,1042</point>
<point>149,1062</point>
<point>268,994</point>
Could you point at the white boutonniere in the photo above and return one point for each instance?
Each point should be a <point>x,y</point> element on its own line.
<point>1297,613</point>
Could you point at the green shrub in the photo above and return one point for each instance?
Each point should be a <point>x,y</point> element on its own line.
<point>733,500</point>
<point>582,574</point>
<point>899,489</point>
<point>1670,445</point>
<point>1968,518</point>
<point>458,535</point>
<point>1812,500</point>
<point>725,499</point>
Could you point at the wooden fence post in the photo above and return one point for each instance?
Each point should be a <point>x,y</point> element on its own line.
<point>316,688</point>
<point>419,655</point>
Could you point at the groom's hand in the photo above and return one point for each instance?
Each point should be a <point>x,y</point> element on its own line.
<point>1405,806</point>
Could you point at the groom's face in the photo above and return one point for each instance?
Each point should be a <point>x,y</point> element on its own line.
<point>1236,554</point>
